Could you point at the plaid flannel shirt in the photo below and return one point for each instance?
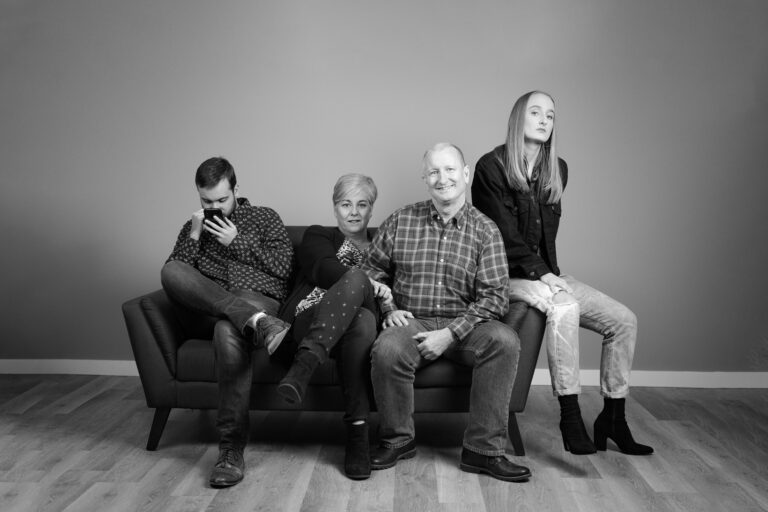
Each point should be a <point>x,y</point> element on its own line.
<point>456,270</point>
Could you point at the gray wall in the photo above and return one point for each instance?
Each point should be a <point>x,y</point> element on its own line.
<point>107,108</point>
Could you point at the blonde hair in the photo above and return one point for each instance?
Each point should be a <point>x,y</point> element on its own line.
<point>550,188</point>
<point>351,182</point>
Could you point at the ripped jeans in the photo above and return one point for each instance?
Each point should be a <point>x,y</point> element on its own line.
<point>593,310</point>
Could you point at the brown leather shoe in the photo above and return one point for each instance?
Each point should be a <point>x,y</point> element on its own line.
<point>229,469</point>
<point>385,457</point>
<point>497,466</point>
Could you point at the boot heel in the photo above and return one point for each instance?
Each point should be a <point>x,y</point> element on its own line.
<point>565,442</point>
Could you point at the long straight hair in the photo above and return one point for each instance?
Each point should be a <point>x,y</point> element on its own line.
<point>550,188</point>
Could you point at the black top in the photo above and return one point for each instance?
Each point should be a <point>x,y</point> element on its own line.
<point>528,226</point>
<point>317,265</point>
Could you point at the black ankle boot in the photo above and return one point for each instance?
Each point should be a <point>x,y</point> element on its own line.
<point>295,382</point>
<point>611,423</point>
<point>575,437</point>
<point>357,459</point>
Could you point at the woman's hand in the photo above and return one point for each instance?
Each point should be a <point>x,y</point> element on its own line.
<point>397,317</point>
<point>381,291</point>
<point>555,283</point>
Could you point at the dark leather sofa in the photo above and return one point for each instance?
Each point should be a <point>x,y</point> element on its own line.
<point>174,356</point>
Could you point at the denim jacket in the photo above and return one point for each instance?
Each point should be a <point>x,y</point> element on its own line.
<point>516,213</point>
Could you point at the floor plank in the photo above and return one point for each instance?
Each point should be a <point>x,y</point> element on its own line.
<point>76,443</point>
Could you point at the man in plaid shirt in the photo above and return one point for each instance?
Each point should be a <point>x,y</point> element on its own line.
<point>446,265</point>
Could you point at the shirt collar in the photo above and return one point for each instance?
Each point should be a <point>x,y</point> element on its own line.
<point>458,220</point>
<point>241,201</point>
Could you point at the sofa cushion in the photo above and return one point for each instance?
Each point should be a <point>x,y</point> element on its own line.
<point>195,362</point>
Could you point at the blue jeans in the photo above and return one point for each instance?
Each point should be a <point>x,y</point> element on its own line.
<point>492,349</point>
<point>186,286</point>
<point>232,351</point>
<point>593,310</point>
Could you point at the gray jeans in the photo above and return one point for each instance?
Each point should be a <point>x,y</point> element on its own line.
<point>593,310</point>
<point>491,349</point>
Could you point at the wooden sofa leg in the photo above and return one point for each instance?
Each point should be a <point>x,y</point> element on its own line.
<point>158,424</point>
<point>514,435</point>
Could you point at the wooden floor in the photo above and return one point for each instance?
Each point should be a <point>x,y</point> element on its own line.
<point>76,443</point>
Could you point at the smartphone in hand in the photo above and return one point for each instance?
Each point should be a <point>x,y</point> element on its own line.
<point>211,213</point>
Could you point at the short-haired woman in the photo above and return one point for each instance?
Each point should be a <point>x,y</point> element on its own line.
<point>336,312</point>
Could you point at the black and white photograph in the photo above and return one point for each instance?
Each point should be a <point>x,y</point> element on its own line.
<point>427,255</point>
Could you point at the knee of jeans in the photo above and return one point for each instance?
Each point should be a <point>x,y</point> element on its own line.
<point>228,343</point>
<point>627,318</point>
<point>390,353</point>
<point>171,271</point>
<point>564,300</point>
<point>505,339</point>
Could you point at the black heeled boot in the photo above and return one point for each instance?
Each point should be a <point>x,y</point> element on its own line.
<point>575,437</point>
<point>357,459</point>
<point>295,382</point>
<point>611,423</point>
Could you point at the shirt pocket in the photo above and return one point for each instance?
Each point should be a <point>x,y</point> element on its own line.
<point>518,214</point>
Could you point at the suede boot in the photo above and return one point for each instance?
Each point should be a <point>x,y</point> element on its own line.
<point>294,384</point>
<point>357,460</point>
<point>611,423</point>
<point>575,437</point>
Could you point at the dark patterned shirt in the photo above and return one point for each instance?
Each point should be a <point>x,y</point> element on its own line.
<point>259,257</point>
<point>456,270</point>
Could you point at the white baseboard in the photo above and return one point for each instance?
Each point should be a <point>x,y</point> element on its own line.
<point>69,367</point>
<point>672,379</point>
<point>669,379</point>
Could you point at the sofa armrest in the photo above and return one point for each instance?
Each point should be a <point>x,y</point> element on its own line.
<point>155,336</point>
<point>529,324</point>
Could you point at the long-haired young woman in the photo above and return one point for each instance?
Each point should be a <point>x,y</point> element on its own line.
<point>519,185</point>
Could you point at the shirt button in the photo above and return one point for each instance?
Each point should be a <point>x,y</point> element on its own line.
<point>532,274</point>
<point>538,221</point>
<point>442,260</point>
<point>535,247</point>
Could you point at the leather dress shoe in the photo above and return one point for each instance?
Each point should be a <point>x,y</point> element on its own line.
<point>497,466</point>
<point>229,469</point>
<point>385,457</point>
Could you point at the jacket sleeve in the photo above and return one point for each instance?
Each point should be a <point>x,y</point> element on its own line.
<point>264,245</point>
<point>488,197</point>
<point>317,257</point>
<point>186,249</point>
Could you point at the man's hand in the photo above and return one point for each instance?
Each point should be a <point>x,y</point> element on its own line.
<point>555,283</point>
<point>381,291</point>
<point>197,225</point>
<point>396,317</point>
<point>432,344</point>
<point>222,229</point>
